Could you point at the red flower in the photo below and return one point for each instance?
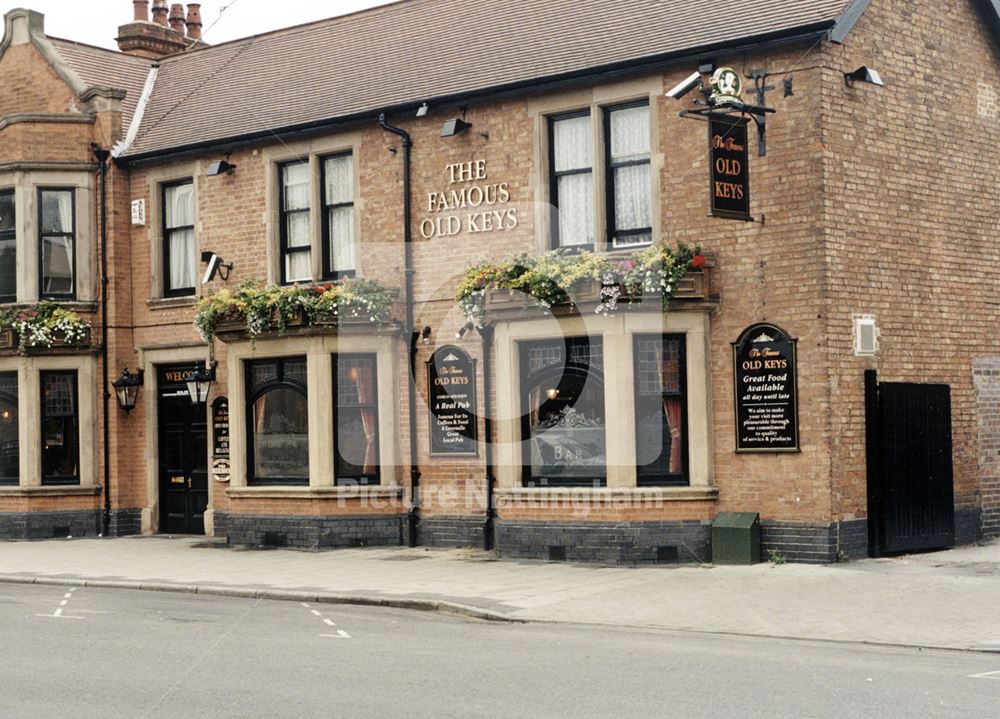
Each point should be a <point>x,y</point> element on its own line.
<point>698,261</point>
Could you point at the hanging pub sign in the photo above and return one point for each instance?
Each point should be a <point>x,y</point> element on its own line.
<point>729,167</point>
<point>764,374</point>
<point>451,377</point>
<point>220,427</point>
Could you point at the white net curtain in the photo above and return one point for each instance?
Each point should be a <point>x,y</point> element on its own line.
<point>179,210</point>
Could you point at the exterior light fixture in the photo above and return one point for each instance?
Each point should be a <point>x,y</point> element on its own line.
<point>216,266</point>
<point>127,389</point>
<point>422,110</point>
<point>220,167</point>
<point>454,127</point>
<point>863,74</point>
<point>200,383</point>
<point>552,393</point>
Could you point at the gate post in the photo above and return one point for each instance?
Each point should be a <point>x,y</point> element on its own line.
<point>872,463</point>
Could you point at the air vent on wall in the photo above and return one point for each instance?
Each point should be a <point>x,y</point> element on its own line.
<point>866,335</point>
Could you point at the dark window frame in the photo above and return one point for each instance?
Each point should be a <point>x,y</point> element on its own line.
<point>554,177</point>
<point>283,214</point>
<point>71,295</point>
<point>367,480</point>
<point>683,479</point>
<point>252,394</point>
<point>327,273</point>
<point>569,368</point>
<point>12,400</point>
<point>611,231</point>
<point>66,480</point>
<point>11,235</point>
<point>166,233</point>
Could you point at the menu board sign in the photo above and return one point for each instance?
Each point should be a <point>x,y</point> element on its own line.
<point>451,377</point>
<point>764,374</point>
<point>220,427</point>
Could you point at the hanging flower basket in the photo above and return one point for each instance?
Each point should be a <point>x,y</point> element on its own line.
<point>39,328</point>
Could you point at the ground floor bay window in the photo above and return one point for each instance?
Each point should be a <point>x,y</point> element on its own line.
<point>356,426</point>
<point>605,404</point>
<point>278,421</point>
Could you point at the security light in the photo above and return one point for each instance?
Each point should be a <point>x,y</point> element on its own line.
<point>422,110</point>
<point>863,74</point>
<point>215,267</point>
<point>454,127</point>
<point>220,167</point>
<point>685,86</point>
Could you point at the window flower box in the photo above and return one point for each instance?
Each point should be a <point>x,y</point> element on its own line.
<point>8,339</point>
<point>252,310</point>
<point>47,326</point>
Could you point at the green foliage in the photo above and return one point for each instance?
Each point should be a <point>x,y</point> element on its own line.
<point>44,324</point>
<point>775,557</point>
<point>549,278</point>
<point>269,309</point>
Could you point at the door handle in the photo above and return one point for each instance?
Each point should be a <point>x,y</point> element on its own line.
<point>189,483</point>
<point>177,480</point>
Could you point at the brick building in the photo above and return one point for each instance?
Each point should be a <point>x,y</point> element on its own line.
<point>864,263</point>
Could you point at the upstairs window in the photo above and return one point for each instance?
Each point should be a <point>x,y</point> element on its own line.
<point>8,247</point>
<point>572,188</point>
<point>57,243</point>
<point>629,201</point>
<point>339,239</point>
<point>10,452</point>
<point>60,429</point>
<point>296,244</point>
<point>179,247</point>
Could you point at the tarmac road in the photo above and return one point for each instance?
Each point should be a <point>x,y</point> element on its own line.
<point>85,652</point>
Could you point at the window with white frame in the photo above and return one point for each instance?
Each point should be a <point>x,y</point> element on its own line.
<point>180,263</point>
<point>57,243</point>
<point>625,184</point>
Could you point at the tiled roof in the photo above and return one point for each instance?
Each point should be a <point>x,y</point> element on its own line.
<point>418,50</point>
<point>106,68</point>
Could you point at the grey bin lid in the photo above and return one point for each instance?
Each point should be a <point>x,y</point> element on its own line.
<point>736,520</point>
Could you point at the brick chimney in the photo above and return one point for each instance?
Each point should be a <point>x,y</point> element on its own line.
<point>177,18</point>
<point>165,34</point>
<point>160,12</point>
<point>194,21</point>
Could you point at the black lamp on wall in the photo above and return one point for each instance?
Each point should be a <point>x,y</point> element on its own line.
<point>200,383</point>
<point>127,389</point>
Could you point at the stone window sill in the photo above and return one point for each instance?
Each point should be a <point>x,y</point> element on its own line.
<point>611,494</point>
<point>66,491</point>
<point>167,303</point>
<point>372,492</point>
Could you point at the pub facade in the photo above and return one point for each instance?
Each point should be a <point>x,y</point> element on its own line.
<point>572,302</point>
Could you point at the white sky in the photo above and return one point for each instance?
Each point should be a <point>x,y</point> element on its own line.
<point>96,21</point>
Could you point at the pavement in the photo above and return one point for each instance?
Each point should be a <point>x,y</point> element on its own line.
<point>946,600</point>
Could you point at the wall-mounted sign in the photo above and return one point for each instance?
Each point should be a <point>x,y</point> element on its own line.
<point>727,87</point>
<point>451,377</point>
<point>138,212</point>
<point>764,375</point>
<point>220,427</point>
<point>471,204</point>
<point>221,469</point>
<point>729,167</point>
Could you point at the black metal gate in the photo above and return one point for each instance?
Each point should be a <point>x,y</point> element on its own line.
<point>911,502</point>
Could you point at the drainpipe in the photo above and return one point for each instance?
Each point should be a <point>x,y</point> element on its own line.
<point>488,526</point>
<point>102,156</point>
<point>413,517</point>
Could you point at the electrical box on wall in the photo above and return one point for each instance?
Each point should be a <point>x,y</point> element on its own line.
<point>866,335</point>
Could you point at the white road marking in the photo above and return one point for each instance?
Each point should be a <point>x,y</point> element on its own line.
<point>330,622</point>
<point>63,603</point>
<point>67,595</point>
<point>315,613</point>
<point>342,634</point>
<point>58,613</point>
<point>304,604</point>
<point>986,675</point>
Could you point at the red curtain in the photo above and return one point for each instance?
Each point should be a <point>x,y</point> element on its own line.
<point>363,380</point>
<point>675,414</point>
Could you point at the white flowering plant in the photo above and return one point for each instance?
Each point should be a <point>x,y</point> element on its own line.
<point>44,325</point>
<point>549,278</point>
